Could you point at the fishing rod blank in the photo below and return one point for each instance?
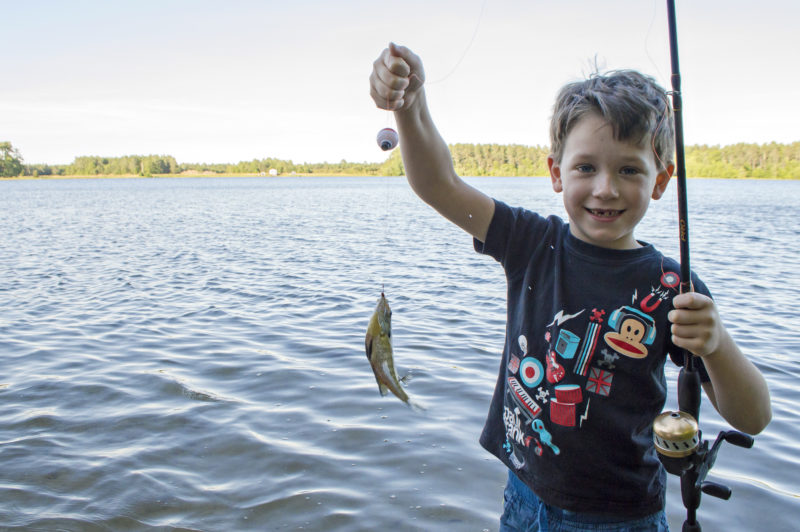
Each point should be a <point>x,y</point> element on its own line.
<point>689,380</point>
<point>676,435</point>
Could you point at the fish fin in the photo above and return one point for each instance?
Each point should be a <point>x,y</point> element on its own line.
<point>392,382</point>
<point>382,388</point>
<point>368,346</point>
<point>415,406</point>
<point>405,380</point>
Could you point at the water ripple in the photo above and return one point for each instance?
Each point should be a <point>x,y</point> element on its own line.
<point>189,354</point>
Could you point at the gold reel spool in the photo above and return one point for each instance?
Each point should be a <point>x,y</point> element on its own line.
<point>676,434</point>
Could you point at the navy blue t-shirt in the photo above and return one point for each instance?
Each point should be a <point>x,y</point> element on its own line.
<point>582,373</point>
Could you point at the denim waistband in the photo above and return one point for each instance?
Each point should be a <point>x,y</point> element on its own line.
<point>654,522</point>
<point>522,489</point>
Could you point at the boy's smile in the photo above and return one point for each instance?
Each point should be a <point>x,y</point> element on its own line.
<point>607,183</point>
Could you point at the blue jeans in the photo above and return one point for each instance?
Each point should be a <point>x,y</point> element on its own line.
<point>524,512</point>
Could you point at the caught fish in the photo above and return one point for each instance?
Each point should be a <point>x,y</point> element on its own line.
<point>379,351</point>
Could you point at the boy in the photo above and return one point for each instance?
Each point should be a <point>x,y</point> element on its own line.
<point>589,317</point>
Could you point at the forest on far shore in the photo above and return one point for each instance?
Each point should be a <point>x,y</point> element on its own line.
<point>769,161</point>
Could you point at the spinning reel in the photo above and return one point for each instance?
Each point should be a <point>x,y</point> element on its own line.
<point>684,453</point>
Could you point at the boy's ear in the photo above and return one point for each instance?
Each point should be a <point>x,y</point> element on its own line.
<point>662,180</point>
<point>555,173</point>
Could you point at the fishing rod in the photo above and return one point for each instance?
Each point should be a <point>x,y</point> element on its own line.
<point>677,436</point>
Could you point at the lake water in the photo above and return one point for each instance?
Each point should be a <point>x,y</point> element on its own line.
<point>188,354</point>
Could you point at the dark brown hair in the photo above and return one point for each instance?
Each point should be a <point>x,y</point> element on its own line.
<point>633,104</point>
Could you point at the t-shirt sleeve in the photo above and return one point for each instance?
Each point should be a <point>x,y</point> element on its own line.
<point>499,232</point>
<point>676,353</point>
<point>513,236</point>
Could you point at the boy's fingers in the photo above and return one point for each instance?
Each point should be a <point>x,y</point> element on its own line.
<point>410,65</point>
<point>392,74</point>
<point>386,88</point>
<point>385,97</point>
<point>690,300</point>
<point>395,64</point>
<point>685,330</point>
<point>392,71</point>
<point>698,340</point>
<point>392,80</point>
<point>679,318</point>
<point>379,94</point>
<point>401,52</point>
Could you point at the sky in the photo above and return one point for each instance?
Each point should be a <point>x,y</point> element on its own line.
<point>223,82</point>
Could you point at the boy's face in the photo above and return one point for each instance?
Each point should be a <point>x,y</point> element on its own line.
<point>607,183</point>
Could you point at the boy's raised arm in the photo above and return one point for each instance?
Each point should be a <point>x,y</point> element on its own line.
<point>396,84</point>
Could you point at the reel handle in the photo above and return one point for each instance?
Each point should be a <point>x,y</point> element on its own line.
<point>740,439</point>
<point>716,490</point>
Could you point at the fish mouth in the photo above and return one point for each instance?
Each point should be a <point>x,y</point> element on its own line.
<point>605,213</point>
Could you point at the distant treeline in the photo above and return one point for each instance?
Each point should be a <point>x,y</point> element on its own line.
<point>773,160</point>
<point>153,165</point>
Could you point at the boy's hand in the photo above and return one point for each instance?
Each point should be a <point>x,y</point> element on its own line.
<point>737,389</point>
<point>696,325</point>
<point>396,78</point>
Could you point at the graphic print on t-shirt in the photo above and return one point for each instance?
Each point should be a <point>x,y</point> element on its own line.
<point>633,330</point>
<point>557,387</point>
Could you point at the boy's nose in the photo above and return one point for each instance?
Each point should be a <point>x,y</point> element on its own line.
<point>605,186</point>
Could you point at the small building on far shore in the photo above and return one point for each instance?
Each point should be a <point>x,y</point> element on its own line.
<point>273,172</point>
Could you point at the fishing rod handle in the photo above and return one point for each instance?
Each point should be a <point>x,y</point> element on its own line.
<point>689,390</point>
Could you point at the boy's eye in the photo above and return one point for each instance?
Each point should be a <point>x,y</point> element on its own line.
<point>585,168</point>
<point>629,170</point>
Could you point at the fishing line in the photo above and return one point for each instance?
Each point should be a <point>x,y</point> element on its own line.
<point>387,137</point>
<point>386,197</point>
<point>469,45</point>
<point>663,120</point>
<point>661,77</point>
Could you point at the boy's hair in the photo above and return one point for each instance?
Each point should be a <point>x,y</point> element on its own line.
<point>634,104</point>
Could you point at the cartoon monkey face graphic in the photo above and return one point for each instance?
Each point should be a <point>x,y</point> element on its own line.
<point>632,330</point>
<point>631,334</point>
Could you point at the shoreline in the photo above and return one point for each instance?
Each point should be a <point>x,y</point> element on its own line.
<point>331,176</point>
<point>170,176</point>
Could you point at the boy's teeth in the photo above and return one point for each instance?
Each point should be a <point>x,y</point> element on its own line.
<point>604,212</point>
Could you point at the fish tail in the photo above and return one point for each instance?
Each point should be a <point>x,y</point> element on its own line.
<point>415,406</point>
